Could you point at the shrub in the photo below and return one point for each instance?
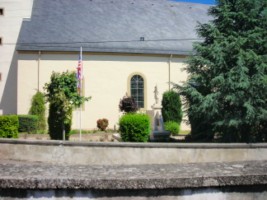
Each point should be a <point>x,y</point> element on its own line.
<point>28,123</point>
<point>62,94</point>
<point>9,125</point>
<point>127,104</point>
<point>57,122</point>
<point>102,124</point>
<point>173,127</point>
<point>134,127</point>
<point>171,107</point>
<point>38,108</point>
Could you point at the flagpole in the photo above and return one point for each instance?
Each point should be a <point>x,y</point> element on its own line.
<point>81,51</point>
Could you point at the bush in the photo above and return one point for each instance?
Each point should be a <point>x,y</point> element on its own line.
<point>28,123</point>
<point>9,125</point>
<point>134,127</point>
<point>171,107</point>
<point>127,104</point>
<point>63,97</point>
<point>57,123</point>
<point>173,127</point>
<point>102,124</point>
<point>38,108</point>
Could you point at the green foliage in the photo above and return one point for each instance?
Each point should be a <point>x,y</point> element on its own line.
<point>173,127</point>
<point>64,83</point>
<point>28,123</point>
<point>102,124</point>
<point>9,125</point>
<point>128,105</point>
<point>171,107</point>
<point>38,108</point>
<point>134,127</point>
<point>227,91</point>
<point>63,96</point>
<point>58,122</point>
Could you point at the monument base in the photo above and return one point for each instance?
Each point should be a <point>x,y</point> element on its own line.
<point>160,136</point>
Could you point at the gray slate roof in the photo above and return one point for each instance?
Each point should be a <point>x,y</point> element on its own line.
<point>168,27</point>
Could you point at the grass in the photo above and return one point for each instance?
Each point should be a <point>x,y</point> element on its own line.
<point>184,132</point>
<point>76,131</point>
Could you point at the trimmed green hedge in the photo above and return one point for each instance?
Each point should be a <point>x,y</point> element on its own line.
<point>9,126</point>
<point>28,123</point>
<point>56,123</point>
<point>173,127</point>
<point>134,127</point>
<point>38,109</point>
<point>171,107</point>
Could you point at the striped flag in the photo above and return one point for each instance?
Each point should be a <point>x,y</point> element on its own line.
<point>80,72</point>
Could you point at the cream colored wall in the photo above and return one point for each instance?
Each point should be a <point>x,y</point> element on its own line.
<point>10,23</point>
<point>105,80</point>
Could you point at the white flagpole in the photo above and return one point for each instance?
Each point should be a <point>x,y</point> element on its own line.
<point>81,52</point>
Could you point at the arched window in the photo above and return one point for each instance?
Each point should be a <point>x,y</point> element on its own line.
<point>137,90</point>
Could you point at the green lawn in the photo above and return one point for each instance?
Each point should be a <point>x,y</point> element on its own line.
<point>184,132</point>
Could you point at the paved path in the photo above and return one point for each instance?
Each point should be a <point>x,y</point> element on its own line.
<point>34,175</point>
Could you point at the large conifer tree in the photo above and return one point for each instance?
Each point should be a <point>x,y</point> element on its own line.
<point>227,89</point>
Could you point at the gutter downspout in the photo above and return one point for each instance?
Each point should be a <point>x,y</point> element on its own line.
<point>169,82</point>
<point>38,71</point>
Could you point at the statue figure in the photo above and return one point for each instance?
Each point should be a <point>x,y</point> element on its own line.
<point>156,93</point>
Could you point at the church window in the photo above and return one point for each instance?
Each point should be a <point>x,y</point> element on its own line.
<point>137,90</point>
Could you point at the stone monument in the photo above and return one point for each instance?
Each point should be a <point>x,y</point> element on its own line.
<point>159,134</point>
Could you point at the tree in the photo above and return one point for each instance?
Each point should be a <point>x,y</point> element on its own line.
<point>226,93</point>
<point>38,109</point>
<point>62,96</point>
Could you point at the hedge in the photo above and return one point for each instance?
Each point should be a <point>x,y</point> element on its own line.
<point>134,127</point>
<point>171,107</point>
<point>9,126</point>
<point>38,109</point>
<point>173,127</point>
<point>28,123</point>
<point>56,123</point>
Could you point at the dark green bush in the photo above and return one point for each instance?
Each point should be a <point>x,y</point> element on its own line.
<point>102,124</point>
<point>171,107</point>
<point>38,108</point>
<point>28,123</point>
<point>9,125</point>
<point>134,127</point>
<point>173,127</point>
<point>57,123</point>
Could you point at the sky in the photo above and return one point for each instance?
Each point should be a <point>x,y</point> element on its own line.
<point>199,1</point>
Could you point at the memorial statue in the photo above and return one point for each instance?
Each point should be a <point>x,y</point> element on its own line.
<point>156,93</point>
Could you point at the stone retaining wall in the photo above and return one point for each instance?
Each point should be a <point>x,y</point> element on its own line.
<point>128,153</point>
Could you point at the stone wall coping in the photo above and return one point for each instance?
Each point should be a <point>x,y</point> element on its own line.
<point>135,145</point>
<point>36,175</point>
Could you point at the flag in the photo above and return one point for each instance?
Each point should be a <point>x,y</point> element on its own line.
<point>80,72</point>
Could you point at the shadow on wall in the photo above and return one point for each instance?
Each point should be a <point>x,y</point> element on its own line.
<point>8,104</point>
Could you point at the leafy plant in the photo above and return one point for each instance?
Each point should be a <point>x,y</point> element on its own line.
<point>102,124</point>
<point>173,127</point>
<point>28,123</point>
<point>38,109</point>
<point>134,127</point>
<point>127,104</point>
<point>63,96</point>
<point>171,107</point>
<point>9,125</point>
<point>227,90</point>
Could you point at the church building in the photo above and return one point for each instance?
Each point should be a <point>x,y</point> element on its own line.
<point>129,47</point>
